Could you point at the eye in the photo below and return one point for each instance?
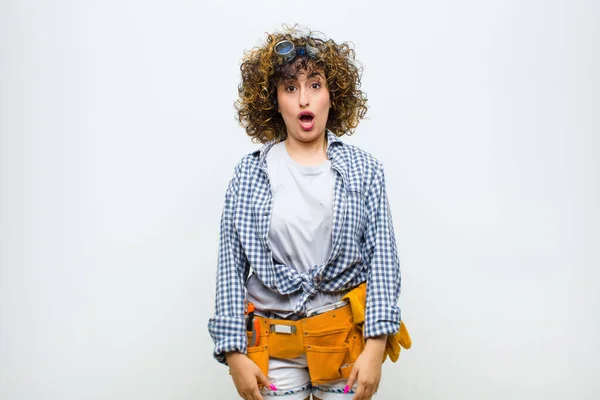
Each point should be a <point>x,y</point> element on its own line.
<point>315,85</point>
<point>290,88</point>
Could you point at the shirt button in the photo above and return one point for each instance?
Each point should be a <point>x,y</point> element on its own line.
<point>266,213</point>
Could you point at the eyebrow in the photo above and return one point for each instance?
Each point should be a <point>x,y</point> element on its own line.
<point>295,77</point>
<point>314,74</point>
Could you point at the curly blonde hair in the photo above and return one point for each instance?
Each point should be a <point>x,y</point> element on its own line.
<point>262,71</point>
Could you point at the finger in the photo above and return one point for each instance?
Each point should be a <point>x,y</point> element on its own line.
<point>248,396</point>
<point>351,380</point>
<point>265,381</point>
<point>252,393</point>
<point>360,393</point>
<point>256,395</point>
<point>368,391</point>
<point>375,389</point>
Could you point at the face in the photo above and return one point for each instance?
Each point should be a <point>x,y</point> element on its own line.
<point>304,103</point>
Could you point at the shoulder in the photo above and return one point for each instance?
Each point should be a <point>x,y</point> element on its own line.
<point>356,155</point>
<point>247,163</point>
<point>361,165</point>
<point>246,169</point>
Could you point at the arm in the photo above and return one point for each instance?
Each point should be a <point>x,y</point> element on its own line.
<point>382,315</point>
<point>227,327</point>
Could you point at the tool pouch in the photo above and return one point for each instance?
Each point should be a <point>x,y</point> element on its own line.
<point>331,342</point>
<point>259,353</point>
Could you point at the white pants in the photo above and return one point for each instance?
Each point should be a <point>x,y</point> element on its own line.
<point>291,378</point>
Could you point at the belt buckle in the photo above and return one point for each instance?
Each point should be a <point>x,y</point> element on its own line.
<point>285,329</point>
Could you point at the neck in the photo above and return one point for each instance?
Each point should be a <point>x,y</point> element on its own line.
<point>308,153</point>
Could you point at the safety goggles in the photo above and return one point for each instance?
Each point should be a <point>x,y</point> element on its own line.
<point>287,51</point>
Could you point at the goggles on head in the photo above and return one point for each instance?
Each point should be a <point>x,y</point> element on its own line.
<point>287,51</point>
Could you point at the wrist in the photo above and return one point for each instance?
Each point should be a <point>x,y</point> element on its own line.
<point>233,356</point>
<point>376,343</point>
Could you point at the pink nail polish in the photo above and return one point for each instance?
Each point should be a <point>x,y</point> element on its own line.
<point>346,389</point>
<point>273,388</point>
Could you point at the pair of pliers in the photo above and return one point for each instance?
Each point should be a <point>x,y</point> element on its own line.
<point>255,333</point>
<point>252,324</point>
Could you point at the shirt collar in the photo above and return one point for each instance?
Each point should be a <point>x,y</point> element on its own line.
<point>332,142</point>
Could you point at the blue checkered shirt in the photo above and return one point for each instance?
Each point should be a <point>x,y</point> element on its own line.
<point>363,245</point>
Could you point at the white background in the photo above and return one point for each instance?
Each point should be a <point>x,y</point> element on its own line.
<point>118,139</point>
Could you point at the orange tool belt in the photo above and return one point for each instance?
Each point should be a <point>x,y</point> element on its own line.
<point>332,341</point>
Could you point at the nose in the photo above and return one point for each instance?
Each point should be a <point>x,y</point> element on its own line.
<point>303,98</point>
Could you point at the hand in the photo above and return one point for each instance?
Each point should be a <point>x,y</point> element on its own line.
<point>367,368</point>
<point>246,374</point>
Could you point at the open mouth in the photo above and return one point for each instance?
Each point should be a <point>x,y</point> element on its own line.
<point>307,120</point>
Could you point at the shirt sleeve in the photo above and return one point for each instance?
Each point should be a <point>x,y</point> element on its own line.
<point>382,315</point>
<point>227,327</point>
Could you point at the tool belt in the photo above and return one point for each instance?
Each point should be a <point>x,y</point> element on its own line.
<point>330,340</point>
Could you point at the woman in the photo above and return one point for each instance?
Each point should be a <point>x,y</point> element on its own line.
<point>306,222</point>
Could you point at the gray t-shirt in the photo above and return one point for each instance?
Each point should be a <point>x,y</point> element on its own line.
<point>300,230</point>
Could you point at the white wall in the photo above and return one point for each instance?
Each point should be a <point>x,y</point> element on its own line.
<point>118,140</point>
